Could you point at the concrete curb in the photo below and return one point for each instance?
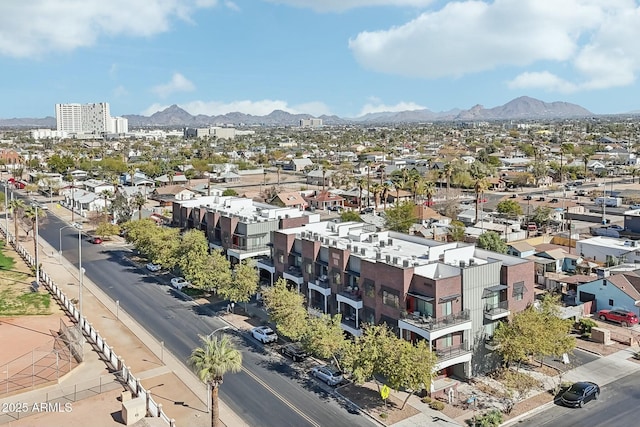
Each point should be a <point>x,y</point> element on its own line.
<point>530,413</point>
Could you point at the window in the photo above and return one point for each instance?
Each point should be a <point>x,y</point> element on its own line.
<point>390,298</point>
<point>281,258</point>
<point>611,302</point>
<point>369,288</point>
<point>518,291</point>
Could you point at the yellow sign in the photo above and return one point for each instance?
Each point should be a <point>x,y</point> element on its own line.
<point>384,392</point>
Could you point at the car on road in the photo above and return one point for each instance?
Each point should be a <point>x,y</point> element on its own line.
<point>180,282</point>
<point>554,200</point>
<point>153,267</point>
<point>616,227</point>
<point>264,334</point>
<point>580,393</point>
<point>634,207</point>
<point>95,240</point>
<point>528,197</point>
<point>328,374</point>
<point>294,351</point>
<point>624,317</point>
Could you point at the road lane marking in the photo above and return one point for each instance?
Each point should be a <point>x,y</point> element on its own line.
<point>276,394</point>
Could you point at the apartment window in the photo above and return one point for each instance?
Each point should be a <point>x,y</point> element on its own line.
<point>281,258</point>
<point>336,278</point>
<point>369,288</point>
<point>390,298</point>
<point>518,291</point>
<point>611,302</point>
<point>309,268</point>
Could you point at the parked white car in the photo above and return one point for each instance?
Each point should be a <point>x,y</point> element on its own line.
<point>179,282</point>
<point>264,334</point>
<point>153,267</point>
<point>328,374</point>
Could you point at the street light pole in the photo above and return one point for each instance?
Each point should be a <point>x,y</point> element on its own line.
<point>36,248</point>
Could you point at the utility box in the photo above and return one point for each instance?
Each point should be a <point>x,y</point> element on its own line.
<point>134,410</point>
<point>601,335</point>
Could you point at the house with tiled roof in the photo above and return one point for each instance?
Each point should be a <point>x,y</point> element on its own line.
<point>289,199</point>
<point>324,200</point>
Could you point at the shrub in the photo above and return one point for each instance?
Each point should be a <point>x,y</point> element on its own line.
<point>586,325</point>
<point>436,405</point>
<point>426,399</point>
<point>384,415</point>
<point>492,418</point>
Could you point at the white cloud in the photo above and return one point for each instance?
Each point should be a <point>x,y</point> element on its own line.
<point>542,80</point>
<point>178,83</point>
<point>256,108</point>
<point>120,92</point>
<point>376,106</point>
<point>342,5</point>
<point>232,6</point>
<point>28,29</point>
<point>590,43</point>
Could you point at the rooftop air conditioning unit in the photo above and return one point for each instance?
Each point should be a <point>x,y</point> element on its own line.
<point>355,248</point>
<point>348,246</point>
<point>472,261</point>
<point>374,238</point>
<point>363,251</point>
<point>463,264</point>
<point>388,258</point>
<point>378,255</point>
<point>405,263</point>
<point>389,242</point>
<point>382,243</point>
<point>396,260</point>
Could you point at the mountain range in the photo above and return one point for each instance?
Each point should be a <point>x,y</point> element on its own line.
<point>522,108</point>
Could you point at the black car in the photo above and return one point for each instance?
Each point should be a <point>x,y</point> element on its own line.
<point>367,210</point>
<point>527,197</point>
<point>295,352</point>
<point>580,393</point>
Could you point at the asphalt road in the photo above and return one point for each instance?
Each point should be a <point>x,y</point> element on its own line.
<point>268,392</point>
<point>617,406</point>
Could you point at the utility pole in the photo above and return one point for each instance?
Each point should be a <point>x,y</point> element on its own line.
<point>37,249</point>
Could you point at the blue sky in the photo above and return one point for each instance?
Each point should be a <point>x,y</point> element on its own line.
<point>343,57</point>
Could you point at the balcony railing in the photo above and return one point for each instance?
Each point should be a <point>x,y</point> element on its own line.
<point>354,294</point>
<point>433,324</point>
<point>323,282</point>
<point>249,248</point>
<point>453,351</point>
<point>294,271</point>
<point>497,307</point>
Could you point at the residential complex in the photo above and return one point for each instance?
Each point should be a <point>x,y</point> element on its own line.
<point>88,119</point>
<point>450,294</point>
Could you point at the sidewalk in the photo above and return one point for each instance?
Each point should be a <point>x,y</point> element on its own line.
<point>182,394</point>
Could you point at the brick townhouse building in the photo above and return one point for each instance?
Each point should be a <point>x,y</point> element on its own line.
<point>452,295</point>
<point>239,226</point>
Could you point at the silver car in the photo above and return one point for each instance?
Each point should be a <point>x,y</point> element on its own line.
<point>328,374</point>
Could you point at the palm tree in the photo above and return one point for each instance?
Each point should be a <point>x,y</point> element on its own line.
<point>479,175</point>
<point>385,187</point>
<point>430,191</point>
<point>375,190</point>
<point>17,207</point>
<point>448,171</point>
<point>361,183</point>
<point>368,183</point>
<point>138,201</point>
<point>214,359</point>
<point>30,213</point>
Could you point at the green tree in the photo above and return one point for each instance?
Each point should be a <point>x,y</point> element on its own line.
<point>541,215</point>
<point>286,309</point>
<point>212,361</point>
<point>400,217</point>
<point>17,207</point>
<point>491,241</point>
<point>509,207</point>
<point>324,337</point>
<point>120,208</point>
<point>243,284</point>
<point>106,228</point>
<point>347,216</point>
<point>457,231</point>
<point>229,192</point>
<point>60,164</point>
<point>409,367</point>
<point>138,201</point>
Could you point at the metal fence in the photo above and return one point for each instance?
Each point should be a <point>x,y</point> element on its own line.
<point>114,361</point>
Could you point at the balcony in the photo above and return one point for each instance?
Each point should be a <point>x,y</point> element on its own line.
<point>491,345</point>
<point>453,355</point>
<point>266,264</point>
<point>496,310</point>
<point>294,274</point>
<point>248,251</point>
<point>321,285</point>
<point>431,329</point>
<point>348,324</point>
<point>350,296</point>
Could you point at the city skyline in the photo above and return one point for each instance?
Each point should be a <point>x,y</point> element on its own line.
<point>345,58</point>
